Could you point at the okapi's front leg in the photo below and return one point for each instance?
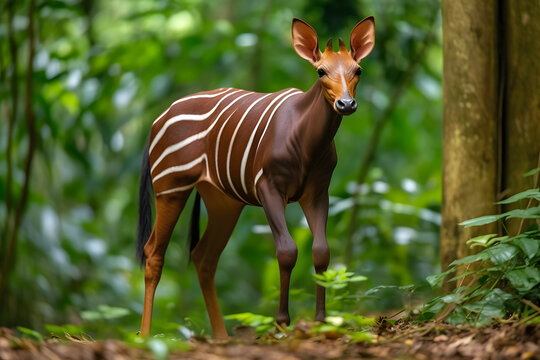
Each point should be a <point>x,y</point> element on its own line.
<point>286,251</point>
<point>315,206</point>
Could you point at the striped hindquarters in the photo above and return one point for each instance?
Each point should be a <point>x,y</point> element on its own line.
<point>213,136</point>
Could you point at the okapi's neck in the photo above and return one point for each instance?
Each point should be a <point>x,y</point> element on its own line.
<point>318,124</point>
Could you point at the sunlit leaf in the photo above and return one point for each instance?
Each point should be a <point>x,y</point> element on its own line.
<point>360,336</point>
<point>532,172</point>
<point>358,278</point>
<point>527,194</point>
<point>481,240</point>
<point>104,312</point>
<point>110,312</point>
<point>260,323</point>
<point>29,333</point>
<point>59,330</point>
<point>483,220</point>
<point>360,320</point>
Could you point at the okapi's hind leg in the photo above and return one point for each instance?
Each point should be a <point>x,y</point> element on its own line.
<point>168,208</point>
<point>223,213</point>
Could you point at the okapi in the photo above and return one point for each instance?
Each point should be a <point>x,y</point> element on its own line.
<point>237,148</point>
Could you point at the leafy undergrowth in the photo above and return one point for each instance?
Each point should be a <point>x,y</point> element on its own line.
<point>495,315</point>
<point>389,339</point>
<point>500,281</point>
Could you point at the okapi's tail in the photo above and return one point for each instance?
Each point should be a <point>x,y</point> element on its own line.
<point>145,211</point>
<point>194,225</point>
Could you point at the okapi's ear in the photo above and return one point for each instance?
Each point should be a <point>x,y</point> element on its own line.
<point>305,41</point>
<point>363,38</point>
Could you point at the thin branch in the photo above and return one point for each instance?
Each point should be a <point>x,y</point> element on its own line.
<point>374,139</point>
<point>31,128</point>
<point>11,115</point>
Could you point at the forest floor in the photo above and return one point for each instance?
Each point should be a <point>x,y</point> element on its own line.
<point>512,340</point>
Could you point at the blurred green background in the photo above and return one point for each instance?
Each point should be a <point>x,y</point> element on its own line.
<point>103,70</point>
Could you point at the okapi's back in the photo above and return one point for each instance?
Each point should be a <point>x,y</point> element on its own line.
<point>215,136</point>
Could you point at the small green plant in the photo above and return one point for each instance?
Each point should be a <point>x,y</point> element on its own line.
<point>260,323</point>
<point>508,277</point>
<point>337,282</point>
<point>356,327</point>
<point>104,312</point>
<point>339,322</point>
<point>30,334</point>
<point>160,345</point>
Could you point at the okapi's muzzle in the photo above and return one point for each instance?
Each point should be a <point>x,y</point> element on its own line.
<point>346,106</point>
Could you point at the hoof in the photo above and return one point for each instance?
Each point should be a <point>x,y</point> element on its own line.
<point>320,318</point>
<point>283,320</point>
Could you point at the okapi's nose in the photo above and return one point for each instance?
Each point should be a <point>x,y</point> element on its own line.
<point>346,106</point>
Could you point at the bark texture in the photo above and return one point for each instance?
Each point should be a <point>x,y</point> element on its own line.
<point>470,94</point>
<point>522,98</point>
<point>491,116</point>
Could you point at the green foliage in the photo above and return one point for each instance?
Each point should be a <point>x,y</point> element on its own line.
<point>532,172</point>
<point>337,284</point>
<point>338,296</point>
<point>356,327</point>
<point>260,323</point>
<point>63,330</point>
<point>29,333</point>
<point>507,270</point>
<point>104,312</point>
<point>337,279</point>
<point>160,345</point>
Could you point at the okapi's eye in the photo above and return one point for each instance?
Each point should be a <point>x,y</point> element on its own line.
<point>321,72</point>
<point>358,71</point>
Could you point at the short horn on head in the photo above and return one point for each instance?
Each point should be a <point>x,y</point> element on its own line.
<point>329,46</point>
<point>342,47</point>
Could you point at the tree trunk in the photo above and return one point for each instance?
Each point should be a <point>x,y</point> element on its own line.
<point>522,100</point>
<point>491,116</point>
<point>470,126</point>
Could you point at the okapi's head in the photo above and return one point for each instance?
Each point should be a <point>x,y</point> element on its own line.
<point>339,72</point>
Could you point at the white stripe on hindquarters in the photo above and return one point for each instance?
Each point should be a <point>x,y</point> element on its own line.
<point>179,168</point>
<point>183,117</point>
<point>176,189</point>
<point>201,96</point>
<point>190,139</point>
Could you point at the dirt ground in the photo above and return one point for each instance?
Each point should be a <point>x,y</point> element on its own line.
<point>402,341</point>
